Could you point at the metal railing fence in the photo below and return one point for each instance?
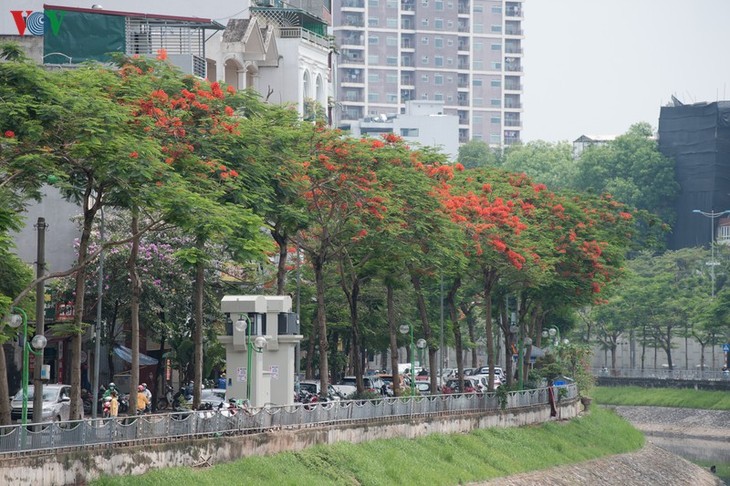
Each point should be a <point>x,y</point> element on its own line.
<point>96,432</point>
<point>662,373</point>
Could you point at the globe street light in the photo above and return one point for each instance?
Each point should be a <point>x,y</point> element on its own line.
<point>712,263</point>
<point>404,329</point>
<point>243,324</point>
<point>421,344</point>
<point>39,342</point>
<point>554,334</point>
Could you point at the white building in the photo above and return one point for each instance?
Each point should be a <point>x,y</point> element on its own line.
<point>424,122</point>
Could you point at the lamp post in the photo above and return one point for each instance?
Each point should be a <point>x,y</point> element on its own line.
<point>554,333</point>
<point>243,324</point>
<point>39,342</point>
<point>404,329</point>
<point>421,344</point>
<point>712,263</point>
<point>97,332</point>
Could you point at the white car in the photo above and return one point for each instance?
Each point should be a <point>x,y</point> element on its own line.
<point>56,404</point>
<point>314,386</point>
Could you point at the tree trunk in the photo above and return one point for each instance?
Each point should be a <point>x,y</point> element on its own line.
<point>135,292</point>
<point>281,240</point>
<point>318,265</point>
<point>421,304</point>
<point>76,405</point>
<point>390,306</point>
<point>451,305</point>
<point>471,322</point>
<point>198,331</point>
<point>4,391</point>
<point>357,351</point>
<point>311,346</point>
<point>490,277</point>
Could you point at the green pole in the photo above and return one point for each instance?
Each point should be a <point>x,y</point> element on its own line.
<point>413,369</point>
<point>26,365</point>
<point>249,351</point>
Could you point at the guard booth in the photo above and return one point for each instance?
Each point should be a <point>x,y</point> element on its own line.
<point>261,336</point>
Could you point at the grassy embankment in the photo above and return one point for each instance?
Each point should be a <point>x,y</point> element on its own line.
<point>436,459</point>
<point>662,397</point>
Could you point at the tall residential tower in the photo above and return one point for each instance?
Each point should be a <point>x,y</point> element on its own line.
<point>465,53</point>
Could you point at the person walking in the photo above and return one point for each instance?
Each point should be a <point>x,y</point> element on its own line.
<point>148,394</point>
<point>114,405</point>
<point>142,400</point>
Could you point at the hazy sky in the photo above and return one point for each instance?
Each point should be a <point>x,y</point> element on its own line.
<point>598,66</point>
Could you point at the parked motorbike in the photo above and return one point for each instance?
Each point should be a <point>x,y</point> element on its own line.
<point>166,402</point>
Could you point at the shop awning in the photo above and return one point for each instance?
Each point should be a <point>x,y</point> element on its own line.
<point>126,354</point>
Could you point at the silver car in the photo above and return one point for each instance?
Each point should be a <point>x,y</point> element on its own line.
<point>56,404</point>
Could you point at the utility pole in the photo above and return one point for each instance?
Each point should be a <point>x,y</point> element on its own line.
<point>40,319</point>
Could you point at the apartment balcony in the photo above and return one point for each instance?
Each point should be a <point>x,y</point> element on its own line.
<point>513,9</point>
<point>408,82</point>
<point>463,46</point>
<point>463,65</point>
<point>463,135</point>
<point>513,105</point>
<point>464,7</point>
<point>513,67</point>
<point>407,23</point>
<point>352,40</point>
<point>408,6</point>
<point>353,99</point>
<point>462,100</point>
<point>463,25</point>
<point>408,44</point>
<point>353,21</point>
<point>350,4</point>
<point>511,122</point>
<point>353,81</point>
<point>345,60</point>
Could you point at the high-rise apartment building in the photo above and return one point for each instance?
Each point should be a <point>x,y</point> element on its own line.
<point>465,53</point>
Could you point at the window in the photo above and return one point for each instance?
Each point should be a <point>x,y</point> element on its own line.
<point>438,96</point>
<point>424,96</point>
<point>438,4</point>
<point>424,3</point>
<point>477,118</point>
<point>373,40</point>
<point>494,138</point>
<point>373,78</point>
<point>391,41</point>
<point>476,82</point>
<point>372,21</point>
<point>438,79</point>
<point>496,47</point>
<point>373,3</point>
<point>449,98</point>
<point>478,65</point>
<point>449,61</point>
<point>424,41</point>
<point>424,78</point>
<point>478,46</point>
<point>373,59</point>
<point>391,60</point>
<point>438,24</point>
<point>424,22</point>
<point>391,3</point>
<point>478,101</point>
<point>495,102</point>
<point>449,79</point>
<point>497,10</point>
<point>393,23</point>
<point>438,61</point>
<point>391,78</point>
<point>373,97</point>
<point>438,42</point>
<point>449,42</point>
<point>496,83</point>
<point>478,28</point>
<point>478,8</point>
<point>409,132</point>
<point>450,24</point>
<point>496,66</point>
<point>496,29</point>
<point>424,60</point>
<point>495,119</point>
<point>391,97</point>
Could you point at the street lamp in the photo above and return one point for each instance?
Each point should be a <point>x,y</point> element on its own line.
<point>39,342</point>
<point>421,344</point>
<point>243,324</point>
<point>405,329</point>
<point>554,334</point>
<point>712,263</point>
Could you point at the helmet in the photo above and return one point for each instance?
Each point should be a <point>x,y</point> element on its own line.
<point>112,385</point>
<point>144,385</point>
<point>140,388</point>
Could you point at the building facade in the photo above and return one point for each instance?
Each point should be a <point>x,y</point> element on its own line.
<point>464,53</point>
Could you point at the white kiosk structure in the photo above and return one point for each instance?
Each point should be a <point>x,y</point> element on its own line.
<point>262,334</point>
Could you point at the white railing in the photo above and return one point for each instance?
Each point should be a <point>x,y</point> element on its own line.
<point>98,432</point>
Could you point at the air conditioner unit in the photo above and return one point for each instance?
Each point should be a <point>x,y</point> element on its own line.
<point>288,323</point>
<point>190,64</point>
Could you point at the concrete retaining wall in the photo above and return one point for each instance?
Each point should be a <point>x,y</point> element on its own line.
<point>663,383</point>
<point>81,466</point>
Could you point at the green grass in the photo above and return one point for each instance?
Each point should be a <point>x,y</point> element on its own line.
<point>437,459</point>
<point>662,397</point>
<point>723,470</point>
